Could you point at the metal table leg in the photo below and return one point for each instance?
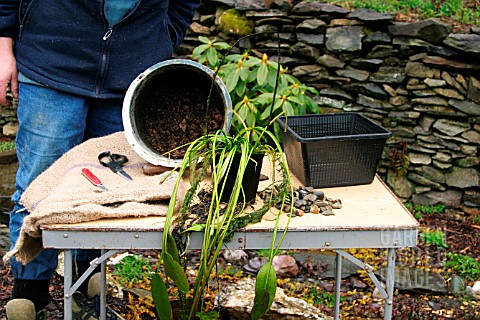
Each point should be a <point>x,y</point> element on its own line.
<point>387,294</point>
<point>338,284</point>
<point>390,283</point>
<point>69,289</point>
<point>103,288</point>
<point>67,284</point>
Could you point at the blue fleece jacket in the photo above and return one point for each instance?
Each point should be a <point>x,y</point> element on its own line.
<point>70,46</point>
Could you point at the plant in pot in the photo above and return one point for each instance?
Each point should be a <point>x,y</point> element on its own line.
<point>214,153</point>
<point>254,83</point>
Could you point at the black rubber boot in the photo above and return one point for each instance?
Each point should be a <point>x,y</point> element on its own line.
<point>36,291</point>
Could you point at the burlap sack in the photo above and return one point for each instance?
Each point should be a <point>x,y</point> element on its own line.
<point>62,194</point>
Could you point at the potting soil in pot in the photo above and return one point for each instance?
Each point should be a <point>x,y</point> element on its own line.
<point>176,113</point>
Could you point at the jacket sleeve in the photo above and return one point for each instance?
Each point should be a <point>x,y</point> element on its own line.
<point>180,13</point>
<point>9,18</point>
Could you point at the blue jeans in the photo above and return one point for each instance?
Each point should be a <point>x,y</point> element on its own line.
<point>50,124</point>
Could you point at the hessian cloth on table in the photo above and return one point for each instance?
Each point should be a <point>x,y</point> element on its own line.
<point>62,194</point>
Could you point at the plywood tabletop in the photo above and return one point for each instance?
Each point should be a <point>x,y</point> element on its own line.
<point>365,207</point>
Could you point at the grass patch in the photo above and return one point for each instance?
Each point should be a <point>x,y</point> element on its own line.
<point>7,145</point>
<point>476,219</point>
<point>419,210</point>
<point>322,298</point>
<point>453,9</point>
<point>435,237</point>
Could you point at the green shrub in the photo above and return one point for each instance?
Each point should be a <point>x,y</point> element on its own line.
<point>464,266</point>
<point>132,269</point>
<point>251,83</point>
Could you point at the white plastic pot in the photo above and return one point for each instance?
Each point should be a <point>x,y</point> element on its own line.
<point>144,85</point>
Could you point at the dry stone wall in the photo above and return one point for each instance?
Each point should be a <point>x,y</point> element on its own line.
<point>8,169</point>
<point>418,80</point>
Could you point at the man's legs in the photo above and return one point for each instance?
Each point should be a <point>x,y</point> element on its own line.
<point>104,118</point>
<point>50,124</point>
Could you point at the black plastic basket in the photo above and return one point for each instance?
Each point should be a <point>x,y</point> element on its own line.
<point>327,150</point>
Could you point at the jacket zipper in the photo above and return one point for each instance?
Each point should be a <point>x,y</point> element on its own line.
<point>106,38</point>
<point>20,32</point>
<point>107,34</point>
<point>103,62</point>
<point>22,21</point>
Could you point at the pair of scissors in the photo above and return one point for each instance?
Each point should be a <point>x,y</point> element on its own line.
<point>114,162</point>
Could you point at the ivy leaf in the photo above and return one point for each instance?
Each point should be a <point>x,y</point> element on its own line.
<point>160,298</point>
<point>265,289</point>
<point>175,272</point>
